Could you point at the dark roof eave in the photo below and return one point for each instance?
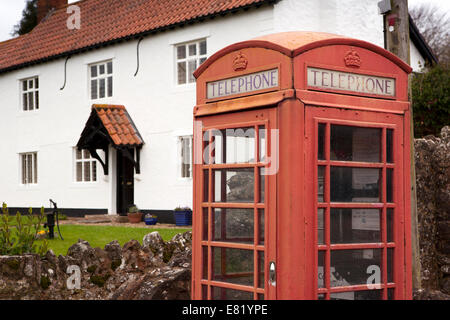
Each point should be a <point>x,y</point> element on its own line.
<point>420,43</point>
<point>135,36</point>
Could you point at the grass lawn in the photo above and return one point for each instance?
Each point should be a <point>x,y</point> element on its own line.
<point>99,236</point>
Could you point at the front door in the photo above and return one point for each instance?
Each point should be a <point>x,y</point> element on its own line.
<point>356,187</point>
<point>125,180</point>
<point>235,208</point>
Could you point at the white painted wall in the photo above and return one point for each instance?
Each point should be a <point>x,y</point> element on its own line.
<point>161,110</point>
<point>353,18</point>
<point>417,61</point>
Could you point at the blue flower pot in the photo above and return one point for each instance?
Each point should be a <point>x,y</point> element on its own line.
<point>183,218</point>
<point>150,221</point>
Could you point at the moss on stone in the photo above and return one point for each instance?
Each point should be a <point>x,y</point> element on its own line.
<point>115,264</point>
<point>92,268</point>
<point>168,252</point>
<point>99,280</point>
<point>13,264</point>
<point>45,282</point>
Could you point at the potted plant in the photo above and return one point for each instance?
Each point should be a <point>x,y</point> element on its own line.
<point>150,219</point>
<point>134,216</point>
<point>183,216</point>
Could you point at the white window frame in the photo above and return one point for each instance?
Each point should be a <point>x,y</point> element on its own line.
<point>191,60</point>
<point>97,77</point>
<point>83,159</point>
<point>185,141</point>
<point>31,90</point>
<point>28,168</point>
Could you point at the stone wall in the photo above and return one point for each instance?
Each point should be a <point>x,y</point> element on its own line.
<point>156,270</point>
<point>432,156</point>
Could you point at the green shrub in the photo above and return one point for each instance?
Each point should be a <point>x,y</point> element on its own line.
<point>20,238</point>
<point>431,100</point>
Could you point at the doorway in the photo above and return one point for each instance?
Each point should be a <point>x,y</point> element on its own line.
<point>125,180</point>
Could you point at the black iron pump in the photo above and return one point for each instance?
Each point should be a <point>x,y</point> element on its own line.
<point>53,216</point>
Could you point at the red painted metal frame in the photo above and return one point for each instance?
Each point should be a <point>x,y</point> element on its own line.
<point>314,116</point>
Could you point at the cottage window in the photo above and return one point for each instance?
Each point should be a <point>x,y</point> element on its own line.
<point>101,78</point>
<point>189,56</point>
<point>29,168</point>
<point>30,94</point>
<point>186,156</point>
<point>85,166</point>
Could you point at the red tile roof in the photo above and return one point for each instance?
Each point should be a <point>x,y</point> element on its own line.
<point>106,21</point>
<point>118,124</point>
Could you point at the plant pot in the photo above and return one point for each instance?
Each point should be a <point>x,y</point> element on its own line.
<point>183,218</point>
<point>135,217</point>
<point>150,221</point>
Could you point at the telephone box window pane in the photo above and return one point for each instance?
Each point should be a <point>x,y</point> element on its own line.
<point>261,268</point>
<point>260,296</point>
<point>262,144</point>
<point>390,265</point>
<point>354,184</point>
<point>205,185</point>
<point>389,185</point>
<point>233,225</point>
<point>205,224</point>
<point>240,145</point>
<point>391,293</point>
<point>204,292</point>
<point>321,297</point>
<point>230,294</point>
<point>234,185</point>
<point>320,226</point>
<point>355,144</point>
<point>262,185</point>
<point>390,225</point>
<point>217,146</point>
<point>320,269</point>
<point>320,183</point>
<point>233,266</point>
<point>205,262</point>
<point>357,295</point>
<point>389,145</point>
<point>355,267</point>
<point>355,226</point>
<point>261,226</point>
<point>321,142</point>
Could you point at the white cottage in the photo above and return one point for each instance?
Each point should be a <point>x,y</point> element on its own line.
<point>114,78</point>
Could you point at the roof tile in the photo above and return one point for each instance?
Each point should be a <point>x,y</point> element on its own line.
<point>104,21</point>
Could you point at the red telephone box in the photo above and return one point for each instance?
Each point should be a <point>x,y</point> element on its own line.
<point>301,171</point>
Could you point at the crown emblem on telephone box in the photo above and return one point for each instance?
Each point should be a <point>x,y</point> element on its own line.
<point>240,62</point>
<point>352,59</point>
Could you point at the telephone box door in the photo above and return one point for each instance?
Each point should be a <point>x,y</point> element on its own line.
<point>357,242</point>
<point>235,234</point>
